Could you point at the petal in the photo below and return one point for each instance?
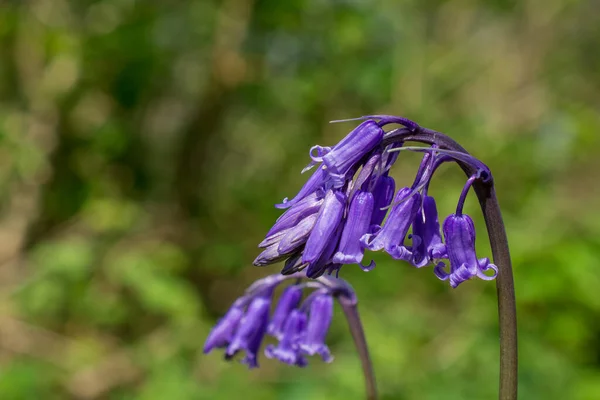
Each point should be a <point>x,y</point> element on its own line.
<point>350,250</point>
<point>316,181</point>
<point>328,219</point>
<point>222,333</point>
<point>321,313</point>
<point>307,206</point>
<point>324,262</point>
<point>396,227</point>
<point>288,350</point>
<point>383,193</point>
<point>269,256</point>
<point>289,300</point>
<point>297,236</point>
<point>459,232</point>
<point>353,147</point>
<point>251,331</point>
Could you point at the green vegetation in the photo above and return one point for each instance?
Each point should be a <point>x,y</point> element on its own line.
<point>144,143</point>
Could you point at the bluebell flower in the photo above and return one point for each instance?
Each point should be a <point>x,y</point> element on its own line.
<point>459,232</point>
<point>290,298</point>
<point>383,194</point>
<point>251,330</point>
<point>222,334</point>
<point>288,350</point>
<point>297,236</point>
<point>299,327</point>
<point>325,263</point>
<point>321,313</point>
<point>309,205</point>
<point>328,220</point>
<point>316,181</point>
<point>341,210</point>
<point>393,233</point>
<point>351,149</point>
<point>426,227</point>
<point>338,214</point>
<point>271,255</point>
<point>350,250</point>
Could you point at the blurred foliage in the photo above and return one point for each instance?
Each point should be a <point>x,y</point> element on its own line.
<point>143,144</point>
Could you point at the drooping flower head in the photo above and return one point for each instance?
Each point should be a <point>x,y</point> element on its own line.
<point>347,206</point>
<point>300,326</point>
<point>341,210</point>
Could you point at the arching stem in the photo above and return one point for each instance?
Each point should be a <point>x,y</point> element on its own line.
<point>349,307</point>
<point>507,312</point>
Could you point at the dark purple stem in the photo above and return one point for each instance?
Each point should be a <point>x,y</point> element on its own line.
<point>350,309</point>
<point>486,194</point>
<point>346,296</point>
<point>463,194</point>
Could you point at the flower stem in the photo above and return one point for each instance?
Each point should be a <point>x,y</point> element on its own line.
<point>350,309</point>
<point>507,312</point>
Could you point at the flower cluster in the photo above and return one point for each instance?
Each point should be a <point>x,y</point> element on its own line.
<point>349,204</point>
<point>300,325</point>
<point>341,211</point>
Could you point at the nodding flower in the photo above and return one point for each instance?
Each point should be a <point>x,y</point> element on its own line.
<point>347,206</point>
<point>350,205</point>
<point>299,326</point>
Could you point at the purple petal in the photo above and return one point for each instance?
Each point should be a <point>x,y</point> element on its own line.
<point>328,219</point>
<point>364,178</point>
<point>383,193</point>
<point>296,236</point>
<point>427,227</point>
<point>459,232</point>
<point>307,206</point>
<point>288,350</point>
<point>353,147</point>
<point>290,298</point>
<point>350,250</point>
<point>222,333</point>
<point>323,263</point>
<point>251,331</point>
<point>391,236</point>
<point>269,256</point>
<point>317,180</point>
<point>321,313</point>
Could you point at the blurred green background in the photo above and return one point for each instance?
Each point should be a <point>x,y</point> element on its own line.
<point>144,143</point>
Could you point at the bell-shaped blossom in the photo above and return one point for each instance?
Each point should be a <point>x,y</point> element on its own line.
<point>324,262</point>
<point>288,349</point>
<point>316,181</point>
<point>296,236</point>
<point>307,206</point>
<point>328,219</point>
<point>391,236</point>
<point>271,255</point>
<point>222,334</point>
<point>301,328</point>
<point>350,250</point>
<point>459,232</point>
<point>321,313</point>
<point>426,227</point>
<point>352,148</point>
<point>289,300</point>
<point>249,335</point>
<point>368,173</point>
<point>383,193</point>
